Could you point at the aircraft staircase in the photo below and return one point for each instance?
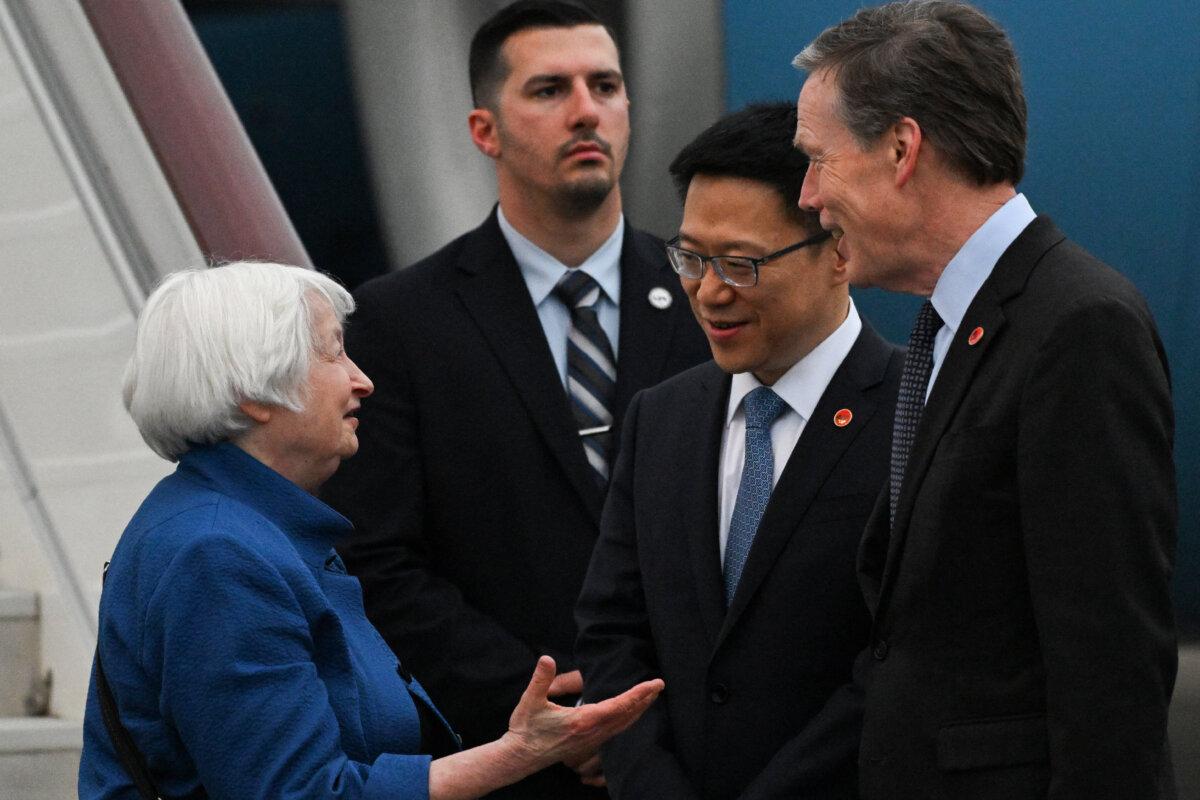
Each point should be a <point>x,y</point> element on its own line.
<point>39,755</point>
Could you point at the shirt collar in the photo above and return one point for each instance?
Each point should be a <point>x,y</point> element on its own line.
<point>543,271</point>
<point>801,386</point>
<point>311,525</point>
<point>975,260</point>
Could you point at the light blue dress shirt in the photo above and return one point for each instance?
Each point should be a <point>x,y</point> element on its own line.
<point>970,267</point>
<point>542,272</point>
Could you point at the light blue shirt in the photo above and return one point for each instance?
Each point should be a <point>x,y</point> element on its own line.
<point>970,267</point>
<point>542,272</point>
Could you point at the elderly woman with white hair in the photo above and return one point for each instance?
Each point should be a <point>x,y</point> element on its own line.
<point>235,659</point>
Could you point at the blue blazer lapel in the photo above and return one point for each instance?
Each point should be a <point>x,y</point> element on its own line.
<point>497,299</point>
<point>820,448</point>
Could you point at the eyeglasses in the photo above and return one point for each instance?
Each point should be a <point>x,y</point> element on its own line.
<point>734,270</point>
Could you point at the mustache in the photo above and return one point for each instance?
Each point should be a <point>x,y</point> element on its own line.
<point>590,137</point>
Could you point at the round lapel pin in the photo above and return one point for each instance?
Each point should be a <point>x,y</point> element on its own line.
<point>660,298</point>
<point>842,417</point>
<point>975,336</point>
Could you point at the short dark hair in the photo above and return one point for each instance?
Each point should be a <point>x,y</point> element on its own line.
<point>945,64</point>
<point>754,143</point>
<point>486,66</point>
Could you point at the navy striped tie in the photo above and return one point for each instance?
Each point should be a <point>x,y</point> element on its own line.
<point>591,370</point>
<point>914,379</point>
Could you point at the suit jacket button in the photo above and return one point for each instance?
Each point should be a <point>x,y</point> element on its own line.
<point>881,650</point>
<point>719,693</point>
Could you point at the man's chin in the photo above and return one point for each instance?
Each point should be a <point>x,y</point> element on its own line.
<point>860,276</point>
<point>585,196</point>
<point>729,362</point>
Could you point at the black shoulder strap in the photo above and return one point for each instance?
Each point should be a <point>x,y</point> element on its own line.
<point>127,752</point>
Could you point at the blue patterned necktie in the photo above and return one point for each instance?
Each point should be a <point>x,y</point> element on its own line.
<point>762,407</point>
<point>591,370</point>
<point>910,403</point>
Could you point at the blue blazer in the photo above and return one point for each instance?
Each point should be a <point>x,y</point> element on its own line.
<point>239,652</point>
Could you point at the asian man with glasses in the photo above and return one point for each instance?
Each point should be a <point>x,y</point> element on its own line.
<point>726,558</point>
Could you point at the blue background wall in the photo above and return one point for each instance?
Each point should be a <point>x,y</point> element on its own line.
<point>1114,157</point>
<point>285,70</point>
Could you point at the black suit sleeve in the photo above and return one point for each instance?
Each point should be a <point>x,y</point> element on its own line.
<point>1096,483</point>
<point>615,646</point>
<point>473,667</point>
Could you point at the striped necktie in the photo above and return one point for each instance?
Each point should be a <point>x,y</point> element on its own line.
<point>914,379</point>
<point>591,370</point>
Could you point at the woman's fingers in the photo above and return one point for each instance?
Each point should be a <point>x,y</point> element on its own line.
<point>591,773</point>
<point>639,696</point>
<point>615,714</point>
<point>567,683</point>
<point>536,692</point>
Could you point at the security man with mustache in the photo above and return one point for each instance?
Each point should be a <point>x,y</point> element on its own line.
<point>502,366</point>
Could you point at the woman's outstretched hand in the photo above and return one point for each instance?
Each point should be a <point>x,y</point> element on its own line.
<point>540,733</point>
<point>548,733</point>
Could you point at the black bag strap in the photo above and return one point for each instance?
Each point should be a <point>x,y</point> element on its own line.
<point>127,752</point>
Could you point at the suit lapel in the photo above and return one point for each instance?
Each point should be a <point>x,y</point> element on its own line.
<point>495,296</point>
<point>821,446</point>
<point>962,360</point>
<point>698,520</point>
<point>645,329</point>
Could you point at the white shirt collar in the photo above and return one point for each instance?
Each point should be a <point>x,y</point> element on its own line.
<point>975,260</point>
<point>801,386</point>
<point>543,271</point>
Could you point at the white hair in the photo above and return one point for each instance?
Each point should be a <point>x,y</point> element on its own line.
<point>209,339</point>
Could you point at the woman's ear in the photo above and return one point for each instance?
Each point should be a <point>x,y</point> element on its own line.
<point>259,412</point>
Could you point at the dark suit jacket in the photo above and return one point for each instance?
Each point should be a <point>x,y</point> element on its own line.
<point>1023,634</point>
<point>474,505</point>
<point>758,702</point>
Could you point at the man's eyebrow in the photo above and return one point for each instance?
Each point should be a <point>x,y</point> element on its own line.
<point>559,77</point>
<point>724,247</point>
<point>545,77</point>
<point>609,74</point>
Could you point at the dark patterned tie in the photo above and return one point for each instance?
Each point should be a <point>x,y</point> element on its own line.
<point>918,363</point>
<point>762,407</point>
<point>591,370</point>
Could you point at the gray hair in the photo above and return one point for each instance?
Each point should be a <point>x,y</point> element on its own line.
<point>946,65</point>
<point>209,339</point>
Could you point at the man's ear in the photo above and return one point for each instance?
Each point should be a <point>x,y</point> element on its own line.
<point>838,274</point>
<point>259,412</point>
<point>904,141</point>
<point>482,123</point>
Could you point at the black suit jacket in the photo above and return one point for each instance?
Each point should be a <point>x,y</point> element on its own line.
<point>474,505</point>
<point>759,701</point>
<point>1023,639</point>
